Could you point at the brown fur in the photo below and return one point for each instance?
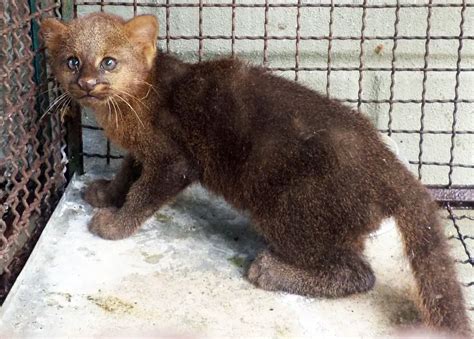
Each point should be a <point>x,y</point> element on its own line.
<point>313,174</point>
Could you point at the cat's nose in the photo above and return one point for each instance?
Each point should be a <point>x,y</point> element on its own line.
<point>87,84</point>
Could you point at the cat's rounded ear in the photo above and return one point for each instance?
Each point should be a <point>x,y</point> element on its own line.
<point>51,29</point>
<point>143,30</point>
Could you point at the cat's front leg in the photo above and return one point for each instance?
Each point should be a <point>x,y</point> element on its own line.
<point>112,193</point>
<point>158,183</point>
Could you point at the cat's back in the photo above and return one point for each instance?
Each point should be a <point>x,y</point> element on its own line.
<point>230,100</point>
<point>231,85</point>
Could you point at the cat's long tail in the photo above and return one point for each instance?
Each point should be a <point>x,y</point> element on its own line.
<point>440,297</point>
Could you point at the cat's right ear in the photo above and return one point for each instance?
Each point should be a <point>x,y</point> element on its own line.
<point>51,29</point>
<point>143,31</point>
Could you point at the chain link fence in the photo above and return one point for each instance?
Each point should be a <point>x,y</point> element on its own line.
<point>32,147</point>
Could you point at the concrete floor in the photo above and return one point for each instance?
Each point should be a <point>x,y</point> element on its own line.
<point>182,275</point>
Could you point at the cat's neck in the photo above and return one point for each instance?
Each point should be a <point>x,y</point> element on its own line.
<point>167,71</point>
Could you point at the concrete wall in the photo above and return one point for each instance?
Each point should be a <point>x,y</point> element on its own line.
<point>345,53</point>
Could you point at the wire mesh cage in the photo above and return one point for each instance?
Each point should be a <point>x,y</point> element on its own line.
<point>32,158</point>
<point>406,64</point>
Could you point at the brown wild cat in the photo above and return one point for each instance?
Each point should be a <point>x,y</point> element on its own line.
<point>313,174</point>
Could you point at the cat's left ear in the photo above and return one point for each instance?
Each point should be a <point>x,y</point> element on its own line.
<point>51,29</point>
<point>143,30</point>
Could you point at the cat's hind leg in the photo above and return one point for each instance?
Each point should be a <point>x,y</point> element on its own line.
<point>337,273</point>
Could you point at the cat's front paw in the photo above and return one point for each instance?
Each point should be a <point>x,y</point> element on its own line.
<point>108,225</point>
<point>97,195</point>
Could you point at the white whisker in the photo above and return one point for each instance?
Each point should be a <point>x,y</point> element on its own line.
<point>64,107</point>
<point>133,97</point>
<point>150,86</point>
<point>55,103</point>
<point>133,110</point>
<point>116,115</point>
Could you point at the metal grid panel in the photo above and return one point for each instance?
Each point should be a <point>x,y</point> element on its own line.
<point>32,155</point>
<point>449,165</point>
<point>328,68</point>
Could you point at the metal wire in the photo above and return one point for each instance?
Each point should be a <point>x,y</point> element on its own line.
<point>392,73</point>
<point>460,236</point>
<point>423,93</point>
<point>330,36</point>
<point>298,36</point>
<point>361,53</point>
<point>276,5</point>
<point>456,95</point>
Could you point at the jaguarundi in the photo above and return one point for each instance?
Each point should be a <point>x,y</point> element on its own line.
<point>313,174</point>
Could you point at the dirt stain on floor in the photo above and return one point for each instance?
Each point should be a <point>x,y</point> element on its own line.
<point>111,304</point>
<point>66,296</point>
<point>152,258</point>
<point>163,217</point>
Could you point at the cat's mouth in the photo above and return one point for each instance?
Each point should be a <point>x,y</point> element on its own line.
<point>91,98</point>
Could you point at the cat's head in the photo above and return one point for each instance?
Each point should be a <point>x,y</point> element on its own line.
<point>100,55</point>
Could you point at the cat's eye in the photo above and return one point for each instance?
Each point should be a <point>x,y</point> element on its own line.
<point>108,64</point>
<point>73,63</point>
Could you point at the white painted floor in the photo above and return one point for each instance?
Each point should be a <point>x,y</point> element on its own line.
<point>182,275</point>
